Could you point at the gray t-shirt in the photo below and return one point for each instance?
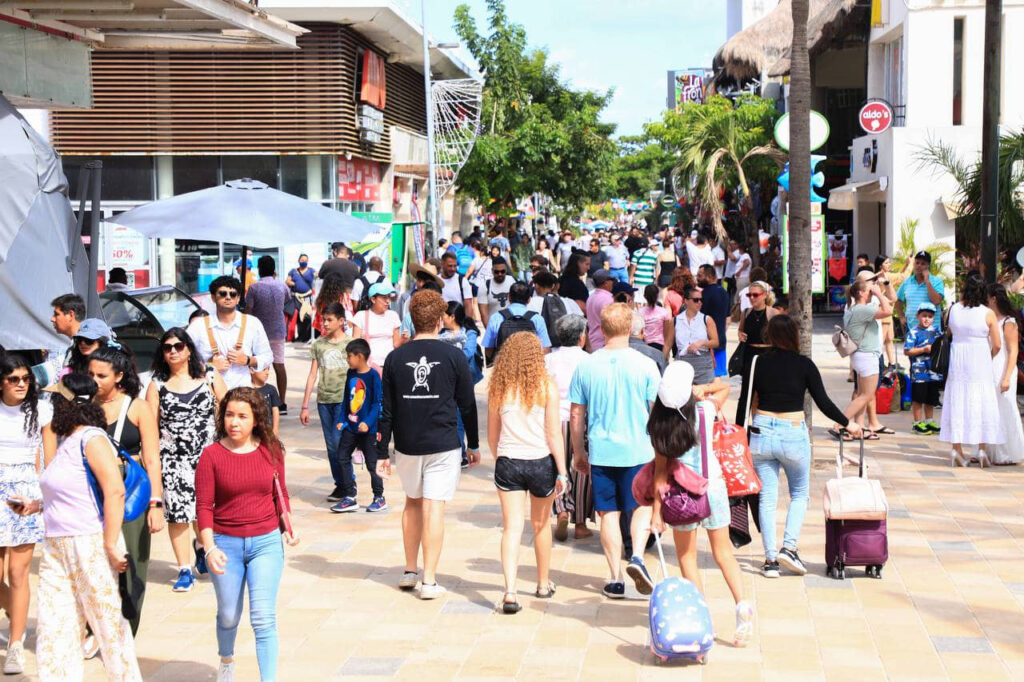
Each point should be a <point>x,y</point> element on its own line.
<point>862,327</point>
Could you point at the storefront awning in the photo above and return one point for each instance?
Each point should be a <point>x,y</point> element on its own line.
<point>953,208</point>
<point>844,197</point>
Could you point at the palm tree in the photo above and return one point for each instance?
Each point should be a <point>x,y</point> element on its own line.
<point>800,177</point>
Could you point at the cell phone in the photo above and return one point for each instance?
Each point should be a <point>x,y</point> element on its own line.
<point>15,502</point>
<point>754,429</point>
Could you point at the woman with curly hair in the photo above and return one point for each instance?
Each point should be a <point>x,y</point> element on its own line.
<point>130,422</point>
<point>333,290</point>
<point>524,431</point>
<point>675,296</point>
<point>22,417</point>
<point>242,502</point>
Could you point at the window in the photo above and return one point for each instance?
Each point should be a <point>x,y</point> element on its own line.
<point>262,168</point>
<point>958,70</point>
<point>193,173</point>
<point>124,178</point>
<point>894,77</point>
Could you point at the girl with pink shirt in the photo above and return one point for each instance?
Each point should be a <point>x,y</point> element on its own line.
<point>657,320</point>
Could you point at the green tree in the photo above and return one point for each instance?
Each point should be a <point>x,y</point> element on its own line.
<point>641,164</point>
<point>538,134</point>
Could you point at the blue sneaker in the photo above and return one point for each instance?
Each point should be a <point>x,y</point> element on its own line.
<point>185,580</point>
<point>347,504</point>
<point>379,504</point>
<point>636,570</point>
<point>201,568</point>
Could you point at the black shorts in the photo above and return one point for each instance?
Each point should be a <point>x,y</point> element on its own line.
<point>925,392</point>
<point>536,476</point>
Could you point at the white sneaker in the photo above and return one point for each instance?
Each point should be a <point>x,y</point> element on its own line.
<point>226,672</point>
<point>14,664</point>
<point>408,580</point>
<point>431,591</point>
<point>744,624</point>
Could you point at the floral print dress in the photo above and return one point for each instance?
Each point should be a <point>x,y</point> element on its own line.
<point>187,425</point>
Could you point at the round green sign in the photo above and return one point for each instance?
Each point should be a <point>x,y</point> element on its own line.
<point>819,131</point>
<point>667,201</point>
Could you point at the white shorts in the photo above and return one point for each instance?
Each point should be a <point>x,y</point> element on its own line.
<point>865,364</point>
<point>434,477</point>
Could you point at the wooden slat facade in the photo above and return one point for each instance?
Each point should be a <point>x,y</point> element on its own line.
<point>294,102</point>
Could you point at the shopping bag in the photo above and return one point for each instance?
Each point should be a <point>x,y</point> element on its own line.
<point>730,446</point>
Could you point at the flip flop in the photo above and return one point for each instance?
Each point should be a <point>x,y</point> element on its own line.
<point>885,431</point>
<point>869,435</point>
<point>837,433</point>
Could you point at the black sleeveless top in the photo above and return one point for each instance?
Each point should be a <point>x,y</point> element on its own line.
<point>754,324</point>
<point>131,438</point>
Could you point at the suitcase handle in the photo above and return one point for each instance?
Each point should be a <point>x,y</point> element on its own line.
<point>839,458</point>
<point>661,555</point>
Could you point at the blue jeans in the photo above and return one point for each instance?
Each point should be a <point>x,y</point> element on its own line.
<point>332,414</point>
<point>462,432</point>
<point>721,363</point>
<point>621,274</point>
<point>256,562</point>
<point>781,443</point>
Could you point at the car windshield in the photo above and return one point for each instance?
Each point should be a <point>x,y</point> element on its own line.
<point>170,307</point>
<point>139,318</point>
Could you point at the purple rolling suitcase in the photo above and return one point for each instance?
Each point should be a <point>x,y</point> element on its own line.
<point>852,542</point>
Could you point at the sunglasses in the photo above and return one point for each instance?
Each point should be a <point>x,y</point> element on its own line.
<point>754,295</point>
<point>697,300</point>
<point>82,341</point>
<point>227,293</point>
<point>498,272</point>
<point>18,380</point>
<point>177,347</point>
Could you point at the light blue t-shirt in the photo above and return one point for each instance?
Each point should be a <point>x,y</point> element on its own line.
<point>618,258</point>
<point>494,326</point>
<point>617,388</point>
<point>913,294</point>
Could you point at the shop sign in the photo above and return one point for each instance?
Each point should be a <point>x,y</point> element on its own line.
<point>819,129</point>
<point>667,201</point>
<point>875,116</point>
<point>358,180</point>
<point>126,248</point>
<point>818,254</point>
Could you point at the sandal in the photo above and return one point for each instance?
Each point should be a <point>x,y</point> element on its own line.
<point>885,431</point>
<point>838,434</point>
<point>510,607</point>
<point>869,435</point>
<point>547,595</point>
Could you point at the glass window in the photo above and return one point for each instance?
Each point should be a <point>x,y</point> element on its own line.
<point>123,177</point>
<point>294,176</point>
<point>262,168</point>
<point>195,264</point>
<point>958,70</point>
<point>193,173</point>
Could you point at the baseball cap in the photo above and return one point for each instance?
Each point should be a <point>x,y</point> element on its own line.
<point>620,287</point>
<point>381,289</point>
<point>676,385</point>
<point>927,306</point>
<point>923,255</point>
<point>601,276</point>
<point>93,328</point>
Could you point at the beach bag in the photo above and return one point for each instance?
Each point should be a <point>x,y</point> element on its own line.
<point>733,452</point>
<point>854,497</point>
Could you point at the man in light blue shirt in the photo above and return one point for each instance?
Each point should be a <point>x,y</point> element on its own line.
<point>920,287</point>
<point>611,394</point>
<point>618,259</point>
<point>518,298</point>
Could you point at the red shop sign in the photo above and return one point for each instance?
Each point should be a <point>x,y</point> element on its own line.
<point>875,117</point>
<point>358,180</point>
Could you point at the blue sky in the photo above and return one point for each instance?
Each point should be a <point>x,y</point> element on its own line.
<point>625,44</point>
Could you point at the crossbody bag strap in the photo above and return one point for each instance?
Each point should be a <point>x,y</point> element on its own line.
<point>750,391</point>
<point>210,337</point>
<point>702,425</point>
<point>122,417</point>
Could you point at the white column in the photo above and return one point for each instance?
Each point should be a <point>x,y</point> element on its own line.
<point>165,190</point>
<point>314,179</point>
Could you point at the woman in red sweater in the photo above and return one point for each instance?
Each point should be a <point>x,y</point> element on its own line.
<point>241,504</point>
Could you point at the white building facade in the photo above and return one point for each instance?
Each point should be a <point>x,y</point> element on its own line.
<point>926,60</point>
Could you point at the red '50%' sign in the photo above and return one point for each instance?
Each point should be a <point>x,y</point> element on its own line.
<point>875,117</point>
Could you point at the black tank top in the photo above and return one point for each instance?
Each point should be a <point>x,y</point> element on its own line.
<point>753,326</point>
<point>131,438</point>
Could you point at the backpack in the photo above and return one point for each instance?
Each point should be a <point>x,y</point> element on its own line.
<point>364,296</point>
<point>513,324</point>
<point>552,311</point>
<point>463,257</point>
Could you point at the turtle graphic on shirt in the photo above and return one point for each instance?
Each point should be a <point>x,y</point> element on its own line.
<point>421,372</point>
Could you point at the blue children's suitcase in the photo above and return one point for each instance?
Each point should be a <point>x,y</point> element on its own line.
<point>679,618</point>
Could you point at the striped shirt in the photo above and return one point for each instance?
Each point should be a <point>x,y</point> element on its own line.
<point>645,260</point>
<point>913,294</point>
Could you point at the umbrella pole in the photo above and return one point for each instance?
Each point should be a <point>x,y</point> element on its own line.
<point>245,263</point>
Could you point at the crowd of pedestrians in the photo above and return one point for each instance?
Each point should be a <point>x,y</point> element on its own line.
<point>606,357</point>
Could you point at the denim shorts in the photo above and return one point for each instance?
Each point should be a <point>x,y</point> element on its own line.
<point>613,488</point>
<point>535,476</point>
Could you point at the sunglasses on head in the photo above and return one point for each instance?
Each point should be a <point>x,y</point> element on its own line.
<point>227,293</point>
<point>176,346</point>
<point>17,380</point>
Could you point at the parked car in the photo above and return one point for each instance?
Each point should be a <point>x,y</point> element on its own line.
<point>139,317</point>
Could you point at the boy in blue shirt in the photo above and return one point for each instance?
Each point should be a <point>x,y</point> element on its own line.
<point>361,417</point>
<point>924,386</point>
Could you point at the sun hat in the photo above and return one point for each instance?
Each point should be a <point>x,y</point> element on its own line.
<point>676,385</point>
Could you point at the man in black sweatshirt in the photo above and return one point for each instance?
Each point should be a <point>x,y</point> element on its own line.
<point>425,383</point>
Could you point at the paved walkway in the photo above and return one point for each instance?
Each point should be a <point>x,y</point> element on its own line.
<point>950,604</point>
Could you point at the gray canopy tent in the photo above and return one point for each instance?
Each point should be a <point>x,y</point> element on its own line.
<point>41,252</point>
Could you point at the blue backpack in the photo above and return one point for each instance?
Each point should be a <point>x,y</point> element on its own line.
<point>463,257</point>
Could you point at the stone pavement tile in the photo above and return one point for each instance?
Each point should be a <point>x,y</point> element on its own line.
<point>428,671</point>
<point>913,665</point>
<point>948,546</point>
<point>854,673</point>
<point>555,673</point>
<point>974,666</point>
<point>961,645</point>
<point>383,666</point>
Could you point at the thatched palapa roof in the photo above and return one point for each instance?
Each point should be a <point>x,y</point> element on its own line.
<point>764,45</point>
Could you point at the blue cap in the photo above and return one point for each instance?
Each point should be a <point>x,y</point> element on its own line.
<point>381,289</point>
<point>93,328</point>
<point>927,306</point>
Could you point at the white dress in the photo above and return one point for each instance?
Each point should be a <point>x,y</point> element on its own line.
<point>970,411</point>
<point>1012,451</point>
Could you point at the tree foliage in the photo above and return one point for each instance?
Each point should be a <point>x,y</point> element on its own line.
<point>537,134</point>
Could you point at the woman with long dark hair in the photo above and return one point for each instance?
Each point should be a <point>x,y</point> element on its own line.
<point>183,395</point>
<point>83,549</point>
<point>130,422</point>
<point>22,418</point>
<point>673,428</point>
<point>92,334</point>
<point>970,407</point>
<point>573,282</point>
<point>779,436</point>
<point>1004,371</point>
<point>668,261</point>
<point>242,500</point>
